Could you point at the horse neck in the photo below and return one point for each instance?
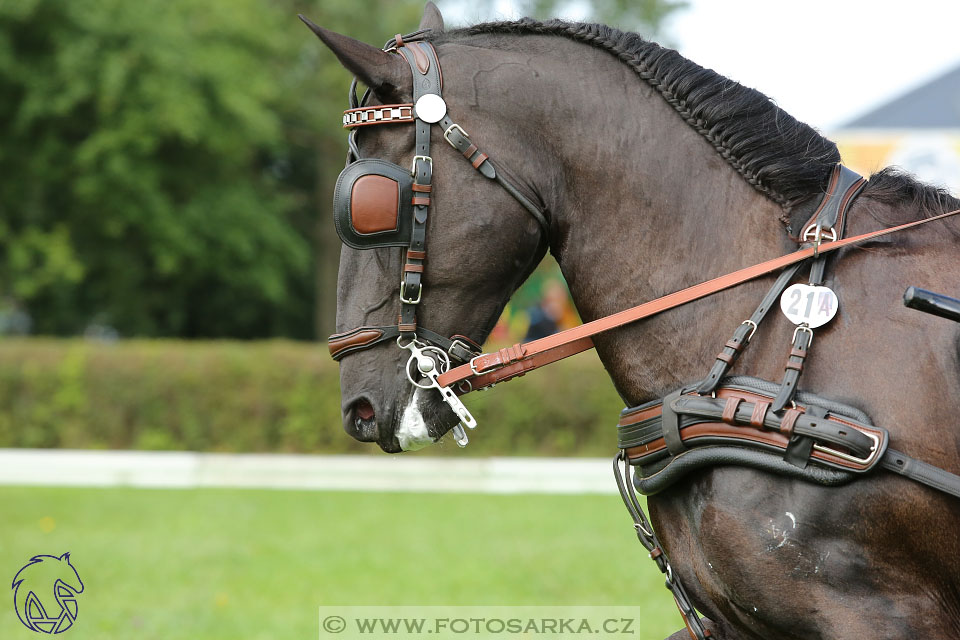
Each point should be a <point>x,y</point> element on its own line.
<point>645,207</point>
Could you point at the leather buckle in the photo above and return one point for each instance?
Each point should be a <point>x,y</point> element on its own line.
<point>459,346</point>
<point>403,294</point>
<point>413,164</point>
<point>454,126</point>
<point>865,462</point>
<point>806,329</point>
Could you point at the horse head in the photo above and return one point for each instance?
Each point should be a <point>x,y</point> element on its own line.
<point>468,272</point>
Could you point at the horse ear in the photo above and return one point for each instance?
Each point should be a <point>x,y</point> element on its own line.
<point>387,75</point>
<point>431,18</point>
<point>65,556</point>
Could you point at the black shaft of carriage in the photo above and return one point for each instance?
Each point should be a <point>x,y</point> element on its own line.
<point>933,303</point>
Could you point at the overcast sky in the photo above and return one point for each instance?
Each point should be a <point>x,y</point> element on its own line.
<point>825,62</point>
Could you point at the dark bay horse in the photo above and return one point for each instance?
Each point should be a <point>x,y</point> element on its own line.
<point>658,174</point>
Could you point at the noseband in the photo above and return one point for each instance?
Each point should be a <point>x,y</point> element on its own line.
<point>380,204</point>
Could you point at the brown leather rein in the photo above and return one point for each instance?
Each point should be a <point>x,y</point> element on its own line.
<point>488,369</point>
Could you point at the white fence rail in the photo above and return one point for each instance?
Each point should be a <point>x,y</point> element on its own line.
<point>59,467</point>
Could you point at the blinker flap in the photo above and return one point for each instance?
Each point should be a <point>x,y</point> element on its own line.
<point>373,205</point>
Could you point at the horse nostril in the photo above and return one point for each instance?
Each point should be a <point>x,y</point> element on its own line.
<point>361,421</point>
<point>364,410</point>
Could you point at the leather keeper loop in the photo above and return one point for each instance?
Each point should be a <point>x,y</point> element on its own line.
<point>788,422</point>
<point>421,201</point>
<point>469,151</point>
<point>479,161</point>
<point>421,188</point>
<point>407,328</point>
<point>759,413</point>
<point>798,353</point>
<point>796,366</point>
<point>416,255</point>
<point>730,410</point>
<point>412,268</point>
<point>733,344</point>
<point>725,358</point>
<point>510,354</point>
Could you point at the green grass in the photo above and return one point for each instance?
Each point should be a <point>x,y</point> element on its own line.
<point>211,564</point>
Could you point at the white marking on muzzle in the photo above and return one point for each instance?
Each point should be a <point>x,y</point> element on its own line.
<point>412,432</point>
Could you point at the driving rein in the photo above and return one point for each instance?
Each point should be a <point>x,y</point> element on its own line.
<point>721,419</point>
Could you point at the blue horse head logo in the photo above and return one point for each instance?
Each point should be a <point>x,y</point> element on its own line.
<point>45,593</point>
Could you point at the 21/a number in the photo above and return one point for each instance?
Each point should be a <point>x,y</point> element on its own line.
<point>807,304</point>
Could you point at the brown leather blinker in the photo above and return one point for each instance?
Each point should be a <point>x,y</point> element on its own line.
<point>373,204</point>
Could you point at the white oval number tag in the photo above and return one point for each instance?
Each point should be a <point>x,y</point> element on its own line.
<point>804,303</point>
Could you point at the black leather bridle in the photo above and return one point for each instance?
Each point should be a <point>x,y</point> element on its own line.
<point>365,201</point>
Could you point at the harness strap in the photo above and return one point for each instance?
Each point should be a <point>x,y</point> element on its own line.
<point>842,189</point>
<point>426,79</point>
<point>648,538</point>
<point>921,472</point>
<point>743,333</point>
<point>802,339</point>
<point>460,140</point>
<point>739,419</point>
<point>491,368</point>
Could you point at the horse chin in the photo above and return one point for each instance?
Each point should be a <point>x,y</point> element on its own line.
<point>422,422</point>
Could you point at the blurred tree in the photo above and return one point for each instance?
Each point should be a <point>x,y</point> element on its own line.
<point>139,183</point>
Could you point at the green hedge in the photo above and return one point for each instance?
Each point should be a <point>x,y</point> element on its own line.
<point>264,396</point>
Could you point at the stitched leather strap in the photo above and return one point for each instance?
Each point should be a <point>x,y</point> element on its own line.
<point>803,337</point>
<point>844,186</point>
<point>567,343</point>
<point>460,141</point>
<point>744,333</point>
<point>460,348</point>
<point>921,472</point>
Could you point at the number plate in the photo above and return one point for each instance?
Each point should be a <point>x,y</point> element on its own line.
<point>806,304</point>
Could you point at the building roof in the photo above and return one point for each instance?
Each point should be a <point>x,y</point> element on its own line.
<point>934,105</point>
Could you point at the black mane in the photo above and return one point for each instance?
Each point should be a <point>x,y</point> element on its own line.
<point>783,158</point>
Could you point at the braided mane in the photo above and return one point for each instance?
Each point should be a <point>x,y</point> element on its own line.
<point>783,158</point>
